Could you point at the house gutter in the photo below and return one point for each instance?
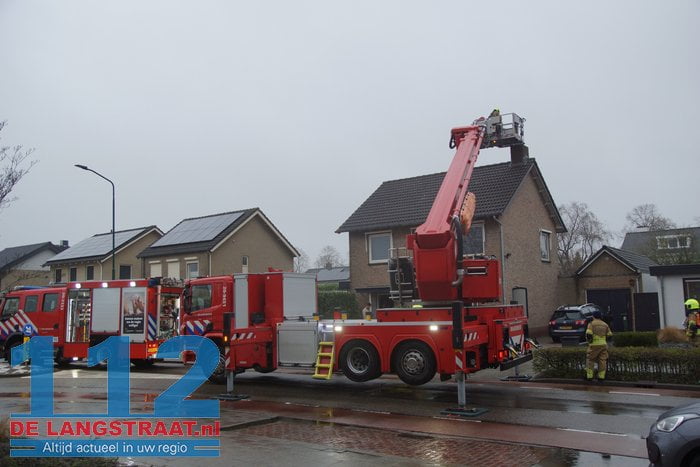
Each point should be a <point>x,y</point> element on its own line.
<point>503,259</point>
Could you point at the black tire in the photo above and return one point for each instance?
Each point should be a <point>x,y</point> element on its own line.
<point>414,362</point>
<point>219,374</point>
<point>694,459</point>
<point>359,361</point>
<point>262,369</point>
<point>8,349</point>
<point>61,362</point>
<point>142,363</point>
<point>556,339</point>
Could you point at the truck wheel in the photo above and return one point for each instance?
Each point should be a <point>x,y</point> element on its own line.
<point>8,349</point>
<point>219,374</point>
<point>142,363</point>
<point>359,361</point>
<point>414,362</point>
<point>263,369</point>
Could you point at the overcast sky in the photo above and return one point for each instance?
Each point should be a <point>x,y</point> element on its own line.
<point>304,108</point>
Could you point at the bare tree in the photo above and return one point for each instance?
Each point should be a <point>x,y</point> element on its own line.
<point>648,217</point>
<point>329,257</point>
<point>301,262</point>
<point>13,166</point>
<point>584,237</point>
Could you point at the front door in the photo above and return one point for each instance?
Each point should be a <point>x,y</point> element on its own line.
<point>646,311</point>
<point>617,302</point>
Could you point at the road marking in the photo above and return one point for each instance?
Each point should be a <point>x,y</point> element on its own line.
<point>457,419</point>
<point>593,432</point>
<point>372,411</point>
<point>634,393</point>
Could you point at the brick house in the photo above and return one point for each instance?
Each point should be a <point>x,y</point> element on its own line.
<point>620,282</point>
<point>91,259</point>
<point>516,221</point>
<point>24,265</point>
<point>225,243</point>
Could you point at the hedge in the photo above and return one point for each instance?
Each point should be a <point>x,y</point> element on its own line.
<point>329,300</point>
<point>635,339</point>
<point>679,366</point>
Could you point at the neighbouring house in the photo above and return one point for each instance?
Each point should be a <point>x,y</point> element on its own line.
<point>672,246</point>
<point>620,282</point>
<point>91,259</point>
<point>24,265</point>
<point>516,221</point>
<point>226,243</point>
<point>339,276</point>
<point>676,284</point>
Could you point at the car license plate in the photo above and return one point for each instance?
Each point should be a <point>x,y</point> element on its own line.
<point>564,327</point>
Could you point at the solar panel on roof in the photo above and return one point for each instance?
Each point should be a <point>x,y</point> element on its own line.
<point>98,245</point>
<point>198,230</point>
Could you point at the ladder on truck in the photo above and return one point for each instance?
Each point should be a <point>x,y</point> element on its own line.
<point>324,360</point>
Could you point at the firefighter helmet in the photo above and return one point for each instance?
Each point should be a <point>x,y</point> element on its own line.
<point>691,304</point>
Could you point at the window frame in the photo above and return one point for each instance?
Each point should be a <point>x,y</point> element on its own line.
<point>72,274</point>
<point>481,224</point>
<point>120,271</point>
<point>369,236</point>
<point>28,299</point>
<point>89,273</point>
<point>58,275</point>
<point>545,234</point>
<point>14,300</point>
<point>187,269</point>
<point>44,300</point>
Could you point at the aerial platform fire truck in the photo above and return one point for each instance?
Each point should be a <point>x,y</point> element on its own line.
<point>81,314</point>
<point>449,319</point>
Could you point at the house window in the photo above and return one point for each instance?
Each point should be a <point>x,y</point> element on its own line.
<point>90,273</point>
<point>73,273</point>
<point>474,240</point>
<point>58,276</point>
<point>174,269</point>
<point>244,264</point>
<point>672,242</point>
<point>192,270</point>
<point>125,271</point>
<point>156,270</point>
<point>30,303</point>
<point>545,237</point>
<point>691,288</point>
<point>379,246</point>
<point>50,302</point>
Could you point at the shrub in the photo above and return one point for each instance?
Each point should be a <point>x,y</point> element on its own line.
<point>671,336</point>
<point>635,339</point>
<point>328,300</point>
<point>679,366</point>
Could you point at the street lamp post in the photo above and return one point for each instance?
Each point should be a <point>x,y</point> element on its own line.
<point>85,167</point>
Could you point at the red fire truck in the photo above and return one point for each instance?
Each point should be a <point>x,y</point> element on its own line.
<point>81,314</point>
<point>449,318</point>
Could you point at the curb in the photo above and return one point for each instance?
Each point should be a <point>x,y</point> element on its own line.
<point>628,384</point>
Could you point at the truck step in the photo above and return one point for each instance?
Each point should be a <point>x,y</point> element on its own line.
<point>324,360</point>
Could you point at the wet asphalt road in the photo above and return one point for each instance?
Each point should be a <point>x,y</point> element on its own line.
<point>577,409</point>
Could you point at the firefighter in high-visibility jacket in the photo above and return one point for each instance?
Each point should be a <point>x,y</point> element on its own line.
<point>597,335</point>
<point>692,321</point>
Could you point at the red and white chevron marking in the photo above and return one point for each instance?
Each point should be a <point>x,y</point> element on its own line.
<point>471,336</point>
<point>16,324</point>
<point>242,336</point>
<point>227,356</point>
<point>459,363</point>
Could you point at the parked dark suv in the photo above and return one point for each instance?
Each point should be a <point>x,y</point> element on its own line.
<point>571,321</point>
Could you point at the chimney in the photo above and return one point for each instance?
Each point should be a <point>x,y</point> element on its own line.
<point>64,243</point>
<point>519,154</point>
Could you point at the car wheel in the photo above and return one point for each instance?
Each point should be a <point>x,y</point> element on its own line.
<point>555,339</point>
<point>414,362</point>
<point>359,361</point>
